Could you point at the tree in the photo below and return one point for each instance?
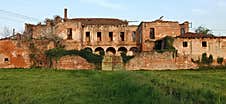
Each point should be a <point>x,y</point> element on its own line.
<point>204,59</point>
<point>203,30</point>
<point>220,60</point>
<point>210,59</point>
<point>6,32</point>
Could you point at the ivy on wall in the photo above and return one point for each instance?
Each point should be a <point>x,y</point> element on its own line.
<point>165,45</point>
<point>126,58</point>
<point>57,53</point>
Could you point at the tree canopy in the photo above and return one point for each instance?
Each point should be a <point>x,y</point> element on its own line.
<point>203,30</point>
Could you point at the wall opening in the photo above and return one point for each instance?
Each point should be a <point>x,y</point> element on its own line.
<point>99,38</point>
<point>185,44</point>
<point>122,36</point>
<point>204,44</point>
<point>152,33</point>
<point>134,36</point>
<point>122,50</point>
<point>88,49</point>
<point>111,51</point>
<point>110,36</point>
<point>87,36</point>
<point>99,51</point>
<point>6,59</point>
<point>182,31</point>
<point>69,33</point>
<point>134,50</point>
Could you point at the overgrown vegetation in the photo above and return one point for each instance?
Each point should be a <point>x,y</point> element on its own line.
<point>165,45</point>
<point>204,30</point>
<point>119,87</point>
<point>126,58</point>
<point>207,60</point>
<point>57,53</point>
<point>220,60</point>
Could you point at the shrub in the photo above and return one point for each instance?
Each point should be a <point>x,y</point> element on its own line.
<point>210,59</point>
<point>126,58</point>
<point>167,47</point>
<point>207,60</point>
<point>204,59</point>
<point>220,60</point>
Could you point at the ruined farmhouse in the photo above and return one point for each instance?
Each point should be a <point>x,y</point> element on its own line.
<point>154,45</point>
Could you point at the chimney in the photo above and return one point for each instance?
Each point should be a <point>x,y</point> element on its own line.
<point>65,13</point>
<point>13,31</point>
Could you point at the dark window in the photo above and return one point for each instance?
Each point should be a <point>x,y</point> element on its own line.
<point>204,44</point>
<point>99,36</point>
<point>152,33</point>
<point>88,36</point>
<point>6,59</point>
<point>69,33</point>
<point>185,44</point>
<point>110,36</point>
<point>182,31</point>
<point>134,36</point>
<point>122,36</point>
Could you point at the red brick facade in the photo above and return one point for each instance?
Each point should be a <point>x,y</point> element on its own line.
<point>104,34</point>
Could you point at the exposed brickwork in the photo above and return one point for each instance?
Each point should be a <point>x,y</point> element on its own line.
<point>159,61</point>
<point>112,36</point>
<point>160,30</point>
<point>13,55</point>
<point>215,46</point>
<point>73,63</point>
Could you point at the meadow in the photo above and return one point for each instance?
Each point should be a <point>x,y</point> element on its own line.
<point>45,86</point>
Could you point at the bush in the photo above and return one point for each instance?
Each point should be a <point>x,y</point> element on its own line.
<point>207,60</point>
<point>126,58</point>
<point>204,59</point>
<point>210,59</point>
<point>220,60</point>
<point>167,47</point>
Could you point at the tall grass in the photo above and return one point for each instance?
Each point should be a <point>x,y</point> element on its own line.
<point>97,87</point>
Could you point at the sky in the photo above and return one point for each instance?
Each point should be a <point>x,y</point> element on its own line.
<point>208,13</point>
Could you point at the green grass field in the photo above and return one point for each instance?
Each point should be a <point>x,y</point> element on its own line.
<point>121,87</point>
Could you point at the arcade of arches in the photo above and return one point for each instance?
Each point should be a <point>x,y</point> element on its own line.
<point>113,51</point>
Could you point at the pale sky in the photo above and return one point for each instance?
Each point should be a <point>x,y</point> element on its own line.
<point>208,13</point>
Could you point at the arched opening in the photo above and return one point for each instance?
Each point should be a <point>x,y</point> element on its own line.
<point>122,49</point>
<point>88,49</point>
<point>134,50</point>
<point>111,51</point>
<point>99,51</point>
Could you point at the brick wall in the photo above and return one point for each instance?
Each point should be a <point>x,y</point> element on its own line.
<point>159,61</point>
<point>73,63</point>
<point>13,55</point>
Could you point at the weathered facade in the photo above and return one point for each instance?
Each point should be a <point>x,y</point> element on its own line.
<point>14,55</point>
<point>194,45</point>
<point>111,36</point>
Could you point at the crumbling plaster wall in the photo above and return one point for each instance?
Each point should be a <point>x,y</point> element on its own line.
<point>14,56</point>
<point>215,46</point>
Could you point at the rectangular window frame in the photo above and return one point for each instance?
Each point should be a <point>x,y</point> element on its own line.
<point>204,44</point>
<point>111,36</point>
<point>88,36</point>
<point>185,44</point>
<point>99,36</point>
<point>134,36</point>
<point>69,33</point>
<point>122,36</point>
<point>152,33</point>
